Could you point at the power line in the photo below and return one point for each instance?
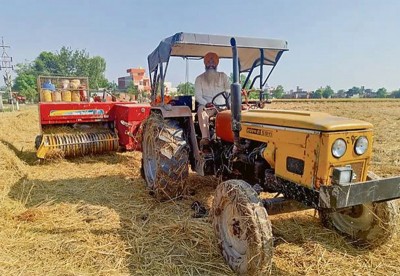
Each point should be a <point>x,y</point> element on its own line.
<point>6,65</point>
<point>6,60</point>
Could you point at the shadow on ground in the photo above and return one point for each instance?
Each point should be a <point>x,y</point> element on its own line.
<point>306,230</point>
<point>132,203</point>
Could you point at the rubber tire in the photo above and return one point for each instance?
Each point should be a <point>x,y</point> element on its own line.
<point>248,251</point>
<point>164,142</point>
<point>38,141</point>
<point>380,222</point>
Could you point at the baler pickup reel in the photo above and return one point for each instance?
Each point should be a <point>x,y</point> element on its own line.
<point>79,144</point>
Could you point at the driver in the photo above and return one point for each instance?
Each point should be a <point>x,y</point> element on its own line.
<point>206,86</point>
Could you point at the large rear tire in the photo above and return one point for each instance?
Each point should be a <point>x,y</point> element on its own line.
<point>367,225</point>
<point>165,157</point>
<point>243,228</point>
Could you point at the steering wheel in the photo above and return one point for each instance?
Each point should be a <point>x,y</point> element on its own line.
<point>227,98</point>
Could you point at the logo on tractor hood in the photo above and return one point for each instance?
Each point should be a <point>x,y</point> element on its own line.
<point>258,131</point>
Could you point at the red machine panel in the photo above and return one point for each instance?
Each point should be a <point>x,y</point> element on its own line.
<point>75,112</point>
<point>128,119</point>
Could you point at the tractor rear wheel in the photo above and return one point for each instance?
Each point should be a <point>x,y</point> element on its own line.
<point>243,228</point>
<point>368,225</point>
<point>165,157</point>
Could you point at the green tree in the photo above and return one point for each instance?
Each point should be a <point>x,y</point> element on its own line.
<point>186,88</point>
<point>31,94</point>
<point>26,77</point>
<point>381,93</point>
<point>317,94</point>
<point>341,93</point>
<point>278,92</point>
<point>396,94</point>
<point>132,89</point>
<point>112,86</point>
<point>46,63</point>
<point>327,92</point>
<point>353,91</point>
<point>25,82</point>
<point>242,80</point>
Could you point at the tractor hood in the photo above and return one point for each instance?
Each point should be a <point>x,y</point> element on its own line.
<point>318,121</point>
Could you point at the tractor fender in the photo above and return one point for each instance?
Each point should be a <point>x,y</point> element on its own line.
<point>169,111</point>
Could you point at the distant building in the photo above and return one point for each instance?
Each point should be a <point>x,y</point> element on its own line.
<point>299,94</point>
<point>137,77</point>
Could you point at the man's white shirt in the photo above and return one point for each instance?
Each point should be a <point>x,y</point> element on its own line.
<point>210,83</point>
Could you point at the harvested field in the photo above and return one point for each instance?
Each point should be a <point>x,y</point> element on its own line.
<point>93,215</point>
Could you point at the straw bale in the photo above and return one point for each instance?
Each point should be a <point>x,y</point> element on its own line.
<point>93,215</point>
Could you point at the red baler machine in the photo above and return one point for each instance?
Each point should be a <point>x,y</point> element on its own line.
<point>81,127</point>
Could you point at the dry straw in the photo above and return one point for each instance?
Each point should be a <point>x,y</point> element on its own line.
<point>94,216</point>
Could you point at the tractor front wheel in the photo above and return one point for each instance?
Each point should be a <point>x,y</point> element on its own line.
<point>243,228</point>
<point>368,225</point>
<point>165,157</point>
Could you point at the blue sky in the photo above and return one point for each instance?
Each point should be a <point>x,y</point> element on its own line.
<point>338,43</point>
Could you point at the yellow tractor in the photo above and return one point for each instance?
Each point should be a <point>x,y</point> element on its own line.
<point>309,159</point>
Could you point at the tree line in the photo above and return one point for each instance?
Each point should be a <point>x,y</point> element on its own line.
<point>323,92</point>
<point>78,63</point>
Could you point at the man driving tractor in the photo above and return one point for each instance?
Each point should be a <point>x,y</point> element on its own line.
<point>207,85</point>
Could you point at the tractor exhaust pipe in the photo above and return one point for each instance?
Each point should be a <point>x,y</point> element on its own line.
<point>236,97</point>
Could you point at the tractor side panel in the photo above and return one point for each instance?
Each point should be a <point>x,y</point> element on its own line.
<point>295,151</point>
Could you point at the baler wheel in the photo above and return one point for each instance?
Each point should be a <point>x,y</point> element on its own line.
<point>367,225</point>
<point>242,227</point>
<point>165,157</point>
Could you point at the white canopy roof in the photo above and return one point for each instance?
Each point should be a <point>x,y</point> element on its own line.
<point>197,45</point>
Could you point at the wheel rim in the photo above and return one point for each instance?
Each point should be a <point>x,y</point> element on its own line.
<point>149,161</point>
<point>352,220</point>
<point>233,231</point>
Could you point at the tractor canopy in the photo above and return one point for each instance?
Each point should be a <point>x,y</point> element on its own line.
<point>252,53</point>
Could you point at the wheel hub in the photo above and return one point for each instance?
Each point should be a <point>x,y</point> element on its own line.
<point>357,218</point>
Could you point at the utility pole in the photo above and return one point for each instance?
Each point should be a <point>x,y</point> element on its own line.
<point>7,67</point>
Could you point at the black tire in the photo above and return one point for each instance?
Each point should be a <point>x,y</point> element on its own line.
<point>38,141</point>
<point>165,157</point>
<point>367,225</point>
<point>242,227</point>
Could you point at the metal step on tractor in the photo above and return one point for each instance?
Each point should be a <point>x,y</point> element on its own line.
<point>310,159</point>
<point>72,125</point>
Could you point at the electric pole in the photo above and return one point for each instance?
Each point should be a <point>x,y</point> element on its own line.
<point>7,67</point>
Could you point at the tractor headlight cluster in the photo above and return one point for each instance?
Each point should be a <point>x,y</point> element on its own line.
<point>361,145</point>
<point>339,148</point>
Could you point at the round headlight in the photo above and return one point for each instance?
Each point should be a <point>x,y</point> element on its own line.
<point>339,148</point>
<point>361,145</point>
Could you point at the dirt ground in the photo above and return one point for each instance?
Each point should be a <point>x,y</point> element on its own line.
<point>93,215</point>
